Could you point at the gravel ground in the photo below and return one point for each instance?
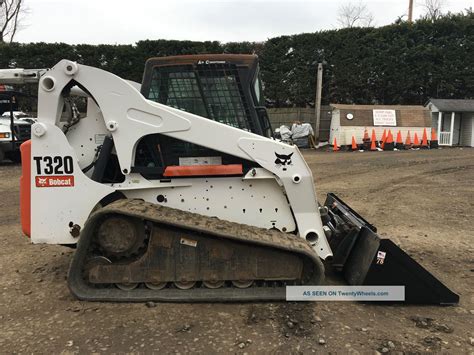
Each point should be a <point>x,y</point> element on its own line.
<point>423,200</point>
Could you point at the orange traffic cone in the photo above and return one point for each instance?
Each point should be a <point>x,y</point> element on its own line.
<point>399,144</point>
<point>335,148</point>
<point>374,139</point>
<point>434,139</point>
<point>366,140</point>
<point>366,136</point>
<point>424,140</point>
<point>384,138</point>
<point>416,141</point>
<point>354,144</point>
<point>389,141</point>
<point>408,141</point>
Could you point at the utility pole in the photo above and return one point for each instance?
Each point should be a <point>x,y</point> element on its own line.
<point>410,11</point>
<point>317,103</point>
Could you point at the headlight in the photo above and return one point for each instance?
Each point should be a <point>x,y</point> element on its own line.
<point>5,135</point>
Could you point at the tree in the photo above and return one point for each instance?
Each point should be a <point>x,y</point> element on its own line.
<point>10,18</point>
<point>433,9</point>
<point>396,64</point>
<point>354,14</point>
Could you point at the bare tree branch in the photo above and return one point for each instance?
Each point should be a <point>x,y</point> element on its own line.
<point>354,14</point>
<point>10,18</point>
<point>433,8</point>
<point>15,26</point>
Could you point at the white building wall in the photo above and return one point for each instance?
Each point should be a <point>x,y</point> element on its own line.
<point>467,130</point>
<point>345,133</point>
<point>456,129</point>
<point>335,128</point>
<point>472,130</point>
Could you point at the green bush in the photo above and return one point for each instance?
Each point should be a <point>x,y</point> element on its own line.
<point>396,64</point>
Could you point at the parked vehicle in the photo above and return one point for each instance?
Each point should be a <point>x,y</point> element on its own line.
<point>10,141</point>
<point>15,125</point>
<point>19,115</point>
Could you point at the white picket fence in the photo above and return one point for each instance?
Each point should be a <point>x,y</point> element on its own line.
<point>444,138</point>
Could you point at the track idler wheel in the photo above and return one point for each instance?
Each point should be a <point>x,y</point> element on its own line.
<point>127,286</point>
<point>242,283</point>
<point>118,236</point>
<point>184,285</point>
<point>213,284</point>
<point>155,285</point>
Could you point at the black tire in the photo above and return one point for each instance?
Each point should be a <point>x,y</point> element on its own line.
<point>16,157</point>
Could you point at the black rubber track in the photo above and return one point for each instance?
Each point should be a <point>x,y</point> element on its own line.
<point>210,226</point>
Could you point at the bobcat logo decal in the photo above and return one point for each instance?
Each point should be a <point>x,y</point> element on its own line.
<point>283,160</point>
<point>42,181</point>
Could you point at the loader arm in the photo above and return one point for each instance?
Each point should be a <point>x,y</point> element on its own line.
<point>128,117</point>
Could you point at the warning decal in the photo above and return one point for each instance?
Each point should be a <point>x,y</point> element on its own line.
<point>381,257</point>
<point>54,181</point>
<point>189,242</point>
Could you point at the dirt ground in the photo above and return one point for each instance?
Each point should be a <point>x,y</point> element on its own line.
<point>423,200</point>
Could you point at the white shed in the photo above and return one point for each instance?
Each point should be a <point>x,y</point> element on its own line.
<point>453,120</point>
<point>352,120</point>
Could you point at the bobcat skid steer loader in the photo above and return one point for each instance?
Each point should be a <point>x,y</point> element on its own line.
<point>178,192</point>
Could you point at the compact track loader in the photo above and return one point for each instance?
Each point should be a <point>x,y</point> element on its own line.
<point>174,190</point>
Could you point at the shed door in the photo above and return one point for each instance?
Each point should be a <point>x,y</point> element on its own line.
<point>457,129</point>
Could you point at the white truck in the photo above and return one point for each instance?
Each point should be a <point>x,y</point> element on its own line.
<point>12,134</point>
<point>15,126</point>
<point>19,115</point>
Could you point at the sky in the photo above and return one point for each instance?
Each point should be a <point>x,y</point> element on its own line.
<point>126,22</point>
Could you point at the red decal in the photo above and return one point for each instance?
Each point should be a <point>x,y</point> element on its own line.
<point>54,181</point>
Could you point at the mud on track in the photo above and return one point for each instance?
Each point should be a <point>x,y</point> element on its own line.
<point>423,200</point>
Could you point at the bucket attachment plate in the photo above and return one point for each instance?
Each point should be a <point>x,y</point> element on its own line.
<point>366,259</point>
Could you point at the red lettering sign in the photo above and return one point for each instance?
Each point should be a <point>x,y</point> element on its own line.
<point>54,181</point>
